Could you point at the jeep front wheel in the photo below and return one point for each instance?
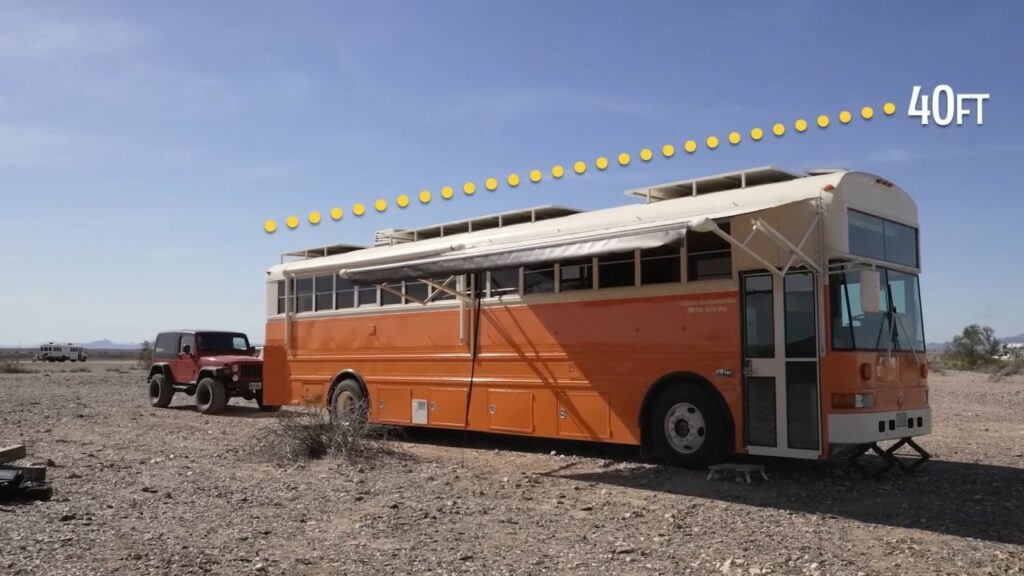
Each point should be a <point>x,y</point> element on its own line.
<point>160,391</point>
<point>210,396</point>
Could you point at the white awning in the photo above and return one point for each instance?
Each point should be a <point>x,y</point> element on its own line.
<point>570,237</point>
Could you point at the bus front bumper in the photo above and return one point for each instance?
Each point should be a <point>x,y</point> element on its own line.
<point>871,427</point>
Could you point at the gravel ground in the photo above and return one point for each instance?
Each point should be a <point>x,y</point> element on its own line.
<point>147,491</point>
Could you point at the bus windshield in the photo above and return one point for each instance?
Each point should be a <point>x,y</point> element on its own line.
<point>223,343</point>
<point>898,325</point>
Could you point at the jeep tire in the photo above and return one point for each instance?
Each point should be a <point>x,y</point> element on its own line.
<point>160,391</point>
<point>210,396</point>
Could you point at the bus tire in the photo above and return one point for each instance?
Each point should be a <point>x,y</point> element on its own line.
<point>160,391</point>
<point>348,403</point>
<point>210,396</point>
<point>686,426</point>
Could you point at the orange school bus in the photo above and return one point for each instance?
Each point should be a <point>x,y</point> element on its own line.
<point>760,312</point>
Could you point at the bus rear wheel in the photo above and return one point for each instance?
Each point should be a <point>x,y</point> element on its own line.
<point>686,427</point>
<point>348,403</point>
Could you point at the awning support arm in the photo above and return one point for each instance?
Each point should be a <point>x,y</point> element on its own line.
<point>774,235</point>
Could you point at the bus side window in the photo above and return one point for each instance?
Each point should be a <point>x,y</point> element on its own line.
<point>539,280</point>
<point>304,294</point>
<point>661,265</point>
<point>503,282</point>
<point>368,296</point>
<point>707,255</point>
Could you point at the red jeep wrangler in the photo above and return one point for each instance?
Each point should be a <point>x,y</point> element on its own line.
<point>212,365</point>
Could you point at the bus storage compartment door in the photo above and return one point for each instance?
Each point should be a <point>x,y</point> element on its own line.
<point>584,415</point>
<point>394,404</point>
<point>447,407</point>
<point>510,410</point>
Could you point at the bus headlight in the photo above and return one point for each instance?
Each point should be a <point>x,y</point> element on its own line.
<point>847,401</point>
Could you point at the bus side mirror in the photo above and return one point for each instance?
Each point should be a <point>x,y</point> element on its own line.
<point>869,291</point>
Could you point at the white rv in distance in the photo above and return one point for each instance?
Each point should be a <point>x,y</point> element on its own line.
<point>53,352</point>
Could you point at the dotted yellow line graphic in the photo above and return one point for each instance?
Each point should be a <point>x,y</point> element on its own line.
<point>579,167</point>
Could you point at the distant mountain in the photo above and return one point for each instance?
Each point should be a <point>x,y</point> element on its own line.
<point>1018,339</point>
<point>108,345</point>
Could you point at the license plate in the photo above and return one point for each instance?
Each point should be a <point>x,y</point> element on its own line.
<point>259,386</point>
<point>901,419</point>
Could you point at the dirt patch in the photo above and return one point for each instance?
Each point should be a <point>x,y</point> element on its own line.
<point>143,490</point>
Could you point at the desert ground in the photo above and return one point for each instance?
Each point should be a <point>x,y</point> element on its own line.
<point>169,491</point>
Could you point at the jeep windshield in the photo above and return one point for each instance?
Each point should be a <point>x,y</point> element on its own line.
<point>896,326</point>
<point>222,343</point>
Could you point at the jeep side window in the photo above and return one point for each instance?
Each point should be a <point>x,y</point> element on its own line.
<point>188,341</point>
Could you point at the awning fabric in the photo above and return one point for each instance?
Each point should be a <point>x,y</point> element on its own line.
<point>507,255</point>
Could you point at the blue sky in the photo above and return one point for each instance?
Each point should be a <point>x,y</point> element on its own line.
<point>142,144</point>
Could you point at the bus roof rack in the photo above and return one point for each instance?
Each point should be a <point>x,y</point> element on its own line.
<point>716,183</point>
<point>394,236</point>
<point>319,252</point>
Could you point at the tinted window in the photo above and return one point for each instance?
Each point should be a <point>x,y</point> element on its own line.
<point>445,294</point>
<point>758,317</point>
<point>325,292</point>
<point>388,298</point>
<point>616,270</point>
<point>221,342</point>
<point>537,280</point>
<point>576,275</point>
<point>166,345</point>
<point>882,239</point>
<point>504,282</point>
<point>188,340</point>
<point>367,295</point>
<point>708,255</point>
<point>344,294</point>
<point>281,296</point>
<point>801,341</point>
<point>660,265</point>
<point>304,295</point>
<point>416,291</point>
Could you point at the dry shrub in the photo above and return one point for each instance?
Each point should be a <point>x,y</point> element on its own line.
<point>1006,370</point>
<point>14,367</point>
<point>311,435</point>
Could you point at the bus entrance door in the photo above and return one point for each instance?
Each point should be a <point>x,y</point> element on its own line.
<point>781,411</point>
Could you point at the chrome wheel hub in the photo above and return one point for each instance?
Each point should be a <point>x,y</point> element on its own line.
<point>685,428</point>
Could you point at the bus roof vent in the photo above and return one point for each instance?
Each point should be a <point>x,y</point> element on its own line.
<point>716,183</point>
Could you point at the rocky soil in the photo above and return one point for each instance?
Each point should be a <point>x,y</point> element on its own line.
<point>147,491</point>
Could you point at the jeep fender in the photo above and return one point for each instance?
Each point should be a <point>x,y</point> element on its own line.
<point>164,369</point>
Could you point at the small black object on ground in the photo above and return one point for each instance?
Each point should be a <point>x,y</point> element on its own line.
<point>22,482</point>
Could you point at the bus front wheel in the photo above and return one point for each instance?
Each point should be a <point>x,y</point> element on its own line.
<point>686,427</point>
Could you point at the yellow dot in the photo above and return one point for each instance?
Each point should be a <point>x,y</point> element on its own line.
<point>889,108</point>
<point>314,218</point>
<point>690,146</point>
<point>358,209</point>
<point>491,184</point>
<point>779,129</point>
<point>403,201</point>
<point>292,222</point>
<point>380,205</point>
<point>757,133</point>
<point>557,171</point>
<point>535,176</point>
<point>579,167</point>
<point>668,150</point>
<point>270,226</point>
<point>800,125</point>
<point>823,121</point>
<point>447,192</point>
<point>734,138</point>
<point>425,196</point>
<point>845,116</point>
<point>513,180</point>
<point>867,112</point>
<point>711,142</point>
<point>646,154</point>
<point>469,188</point>
<point>624,159</point>
<point>336,213</point>
<point>601,163</point>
